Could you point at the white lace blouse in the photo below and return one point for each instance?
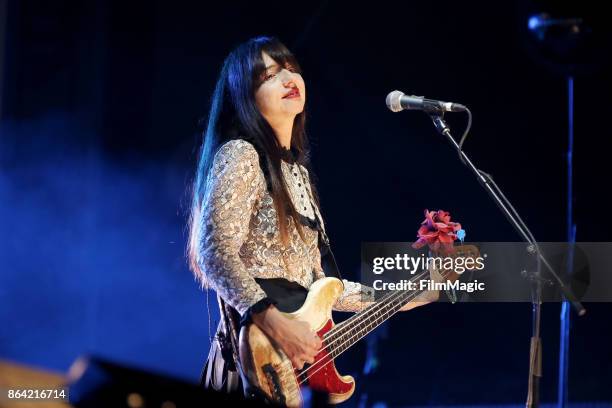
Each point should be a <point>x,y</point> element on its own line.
<point>239,238</point>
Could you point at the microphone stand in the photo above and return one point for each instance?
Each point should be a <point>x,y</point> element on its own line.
<point>486,181</point>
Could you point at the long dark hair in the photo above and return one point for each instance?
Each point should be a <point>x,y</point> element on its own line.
<point>234,115</point>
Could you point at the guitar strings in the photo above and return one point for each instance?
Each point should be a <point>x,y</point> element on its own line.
<point>337,329</point>
<point>340,326</point>
<point>306,374</point>
<point>320,364</point>
<point>363,316</point>
<point>383,303</point>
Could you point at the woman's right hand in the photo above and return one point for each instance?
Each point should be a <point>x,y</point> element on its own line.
<point>295,337</point>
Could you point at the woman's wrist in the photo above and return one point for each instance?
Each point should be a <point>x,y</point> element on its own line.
<point>255,309</point>
<point>267,320</point>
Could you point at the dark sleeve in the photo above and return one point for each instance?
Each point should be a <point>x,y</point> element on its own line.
<point>260,306</point>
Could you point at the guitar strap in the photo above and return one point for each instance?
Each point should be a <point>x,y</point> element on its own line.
<point>229,340</point>
<point>228,336</point>
<point>328,261</point>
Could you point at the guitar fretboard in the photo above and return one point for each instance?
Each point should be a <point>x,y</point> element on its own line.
<point>344,335</point>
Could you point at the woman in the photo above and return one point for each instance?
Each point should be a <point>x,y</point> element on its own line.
<point>256,228</point>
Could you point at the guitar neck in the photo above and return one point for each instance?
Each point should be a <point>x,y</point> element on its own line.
<point>362,323</point>
<point>344,335</point>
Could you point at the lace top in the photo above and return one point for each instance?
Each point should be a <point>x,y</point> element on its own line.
<point>239,238</point>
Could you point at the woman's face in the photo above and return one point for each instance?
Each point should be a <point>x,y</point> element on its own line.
<point>282,94</point>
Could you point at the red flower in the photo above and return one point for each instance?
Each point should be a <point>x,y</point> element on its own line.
<point>437,231</point>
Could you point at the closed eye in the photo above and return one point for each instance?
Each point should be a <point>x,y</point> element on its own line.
<point>276,69</point>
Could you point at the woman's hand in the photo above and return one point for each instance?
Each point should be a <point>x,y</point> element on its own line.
<point>423,299</point>
<point>295,337</point>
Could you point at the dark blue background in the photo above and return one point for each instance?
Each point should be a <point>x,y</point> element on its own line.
<point>99,129</point>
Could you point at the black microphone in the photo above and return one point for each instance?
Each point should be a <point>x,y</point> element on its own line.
<point>397,101</point>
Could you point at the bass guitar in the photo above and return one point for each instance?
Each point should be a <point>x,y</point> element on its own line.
<point>268,368</point>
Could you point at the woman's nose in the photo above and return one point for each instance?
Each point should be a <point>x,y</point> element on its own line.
<point>287,77</point>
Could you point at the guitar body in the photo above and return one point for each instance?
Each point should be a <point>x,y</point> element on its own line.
<point>268,368</point>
